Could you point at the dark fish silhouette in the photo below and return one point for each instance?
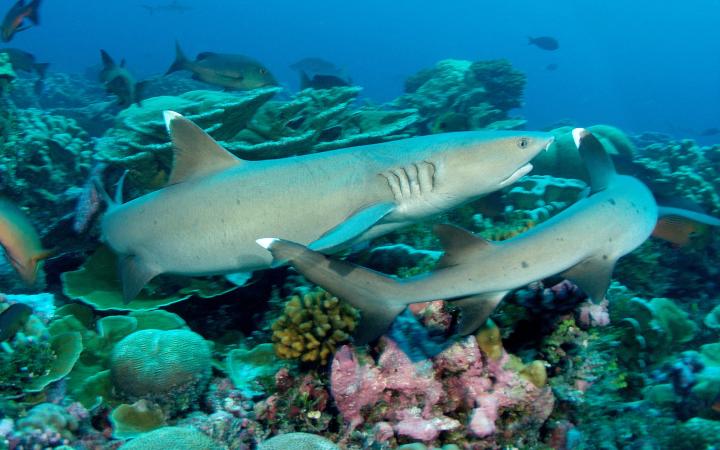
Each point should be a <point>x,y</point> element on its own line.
<point>225,70</point>
<point>12,319</point>
<point>119,81</point>
<point>552,67</point>
<point>173,7</point>
<point>710,132</point>
<point>13,21</point>
<point>544,42</point>
<point>25,62</point>
<point>317,73</point>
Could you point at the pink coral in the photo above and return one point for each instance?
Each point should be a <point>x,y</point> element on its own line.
<point>594,315</point>
<point>354,385</point>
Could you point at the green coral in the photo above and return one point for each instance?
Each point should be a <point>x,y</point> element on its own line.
<point>249,125</point>
<point>457,95</point>
<point>312,326</point>
<point>42,157</point>
<point>129,421</point>
<point>177,438</point>
<point>298,441</point>
<point>168,367</point>
<point>96,283</point>
<point>541,196</point>
<point>695,434</point>
<point>35,357</point>
<point>251,370</point>
<point>7,74</point>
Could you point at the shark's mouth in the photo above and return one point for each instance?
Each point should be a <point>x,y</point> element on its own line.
<point>521,172</point>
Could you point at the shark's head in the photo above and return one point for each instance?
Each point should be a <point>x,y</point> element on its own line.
<point>486,161</point>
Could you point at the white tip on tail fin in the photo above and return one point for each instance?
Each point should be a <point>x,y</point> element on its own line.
<point>169,116</point>
<point>266,242</point>
<point>578,134</point>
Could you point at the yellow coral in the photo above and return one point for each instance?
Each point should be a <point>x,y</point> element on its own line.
<point>312,326</point>
<point>504,231</point>
<point>489,340</point>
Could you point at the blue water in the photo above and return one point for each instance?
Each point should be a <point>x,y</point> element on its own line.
<point>641,65</point>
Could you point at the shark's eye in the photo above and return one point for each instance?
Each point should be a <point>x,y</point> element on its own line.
<point>523,142</point>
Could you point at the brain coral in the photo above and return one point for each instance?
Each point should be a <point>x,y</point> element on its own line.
<point>168,367</point>
<point>177,438</point>
<point>298,441</point>
<point>312,327</point>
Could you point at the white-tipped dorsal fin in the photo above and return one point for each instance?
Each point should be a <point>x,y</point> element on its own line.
<point>196,153</point>
<point>457,243</point>
<point>598,163</point>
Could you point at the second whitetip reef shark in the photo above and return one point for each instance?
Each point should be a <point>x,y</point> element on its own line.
<point>582,243</point>
<point>215,206</point>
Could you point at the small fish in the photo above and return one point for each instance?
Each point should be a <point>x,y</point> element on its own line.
<point>12,319</point>
<point>544,42</point>
<point>552,67</point>
<point>25,62</point>
<point>226,70</point>
<point>710,132</point>
<point>317,73</point>
<point>119,81</point>
<point>20,241</point>
<point>13,21</point>
<point>173,7</point>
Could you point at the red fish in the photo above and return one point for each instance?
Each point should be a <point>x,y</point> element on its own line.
<point>13,21</point>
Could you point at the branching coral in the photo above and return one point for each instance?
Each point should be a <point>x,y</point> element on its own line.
<point>312,327</point>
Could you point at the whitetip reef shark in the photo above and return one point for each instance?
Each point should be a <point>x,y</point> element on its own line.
<point>581,243</point>
<point>215,206</point>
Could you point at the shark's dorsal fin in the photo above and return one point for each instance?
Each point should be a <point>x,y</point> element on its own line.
<point>592,276</point>
<point>598,163</point>
<point>456,243</point>
<point>196,153</point>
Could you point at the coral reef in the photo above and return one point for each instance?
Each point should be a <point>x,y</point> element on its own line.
<point>96,283</point>
<point>168,367</point>
<point>41,156</point>
<point>458,95</point>
<point>249,125</point>
<point>462,393</point>
<point>179,438</point>
<point>298,441</point>
<point>312,326</point>
<point>249,369</point>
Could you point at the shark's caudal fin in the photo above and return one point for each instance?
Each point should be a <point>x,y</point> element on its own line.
<point>196,153</point>
<point>33,16</point>
<point>371,292</point>
<point>596,159</point>
<point>180,60</point>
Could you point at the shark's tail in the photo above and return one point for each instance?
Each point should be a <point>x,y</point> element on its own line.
<point>374,294</point>
<point>33,16</point>
<point>180,60</point>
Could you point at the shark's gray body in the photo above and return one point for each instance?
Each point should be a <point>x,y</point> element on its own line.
<point>582,243</point>
<point>207,219</point>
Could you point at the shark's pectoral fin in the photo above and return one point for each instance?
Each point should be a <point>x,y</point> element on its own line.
<point>592,276</point>
<point>678,225</point>
<point>457,243</point>
<point>597,161</point>
<point>475,310</point>
<point>196,153</point>
<point>239,279</point>
<point>134,274</point>
<point>352,227</point>
<point>374,294</point>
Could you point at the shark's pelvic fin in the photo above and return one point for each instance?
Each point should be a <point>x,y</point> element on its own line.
<point>592,276</point>
<point>457,243</point>
<point>598,163</point>
<point>369,291</point>
<point>677,225</point>
<point>475,310</point>
<point>196,153</point>
<point>352,227</point>
<point>134,274</point>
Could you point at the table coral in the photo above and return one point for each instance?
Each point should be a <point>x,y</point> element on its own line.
<point>459,95</point>
<point>312,326</point>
